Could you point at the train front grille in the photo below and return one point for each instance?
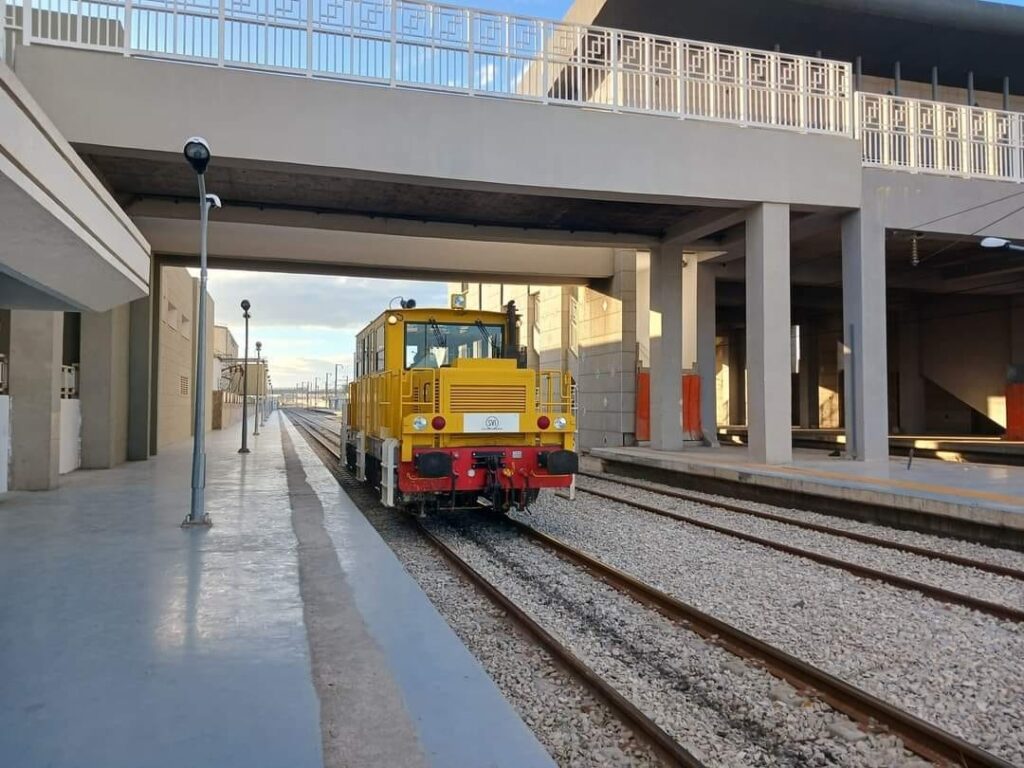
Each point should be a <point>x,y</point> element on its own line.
<point>487,398</point>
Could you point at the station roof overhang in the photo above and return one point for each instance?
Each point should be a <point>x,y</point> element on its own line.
<point>65,243</point>
<point>957,36</point>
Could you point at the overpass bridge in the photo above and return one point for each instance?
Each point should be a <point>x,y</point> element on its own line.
<point>402,138</point>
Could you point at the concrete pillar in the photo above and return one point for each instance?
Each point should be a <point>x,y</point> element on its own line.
<point>737,377</point>
<point>864,336</point>
<point>139,372</point>
<point>103,387</point>
<point>707,324</point>
<point>666,349</point>
<point>808,376</point>
<point>911,383</point>
<point>689,294</point>
<point>35,381</point>
<point>1017,331</point>
<point>769,378</point>
<point>155,301</point>
<point>643,306</point>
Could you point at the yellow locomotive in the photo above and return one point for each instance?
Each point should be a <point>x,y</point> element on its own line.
<point>444,412</point>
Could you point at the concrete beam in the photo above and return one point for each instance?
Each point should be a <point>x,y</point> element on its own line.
<point>262,246</point>
<point>504,145</point>
<point>149,208</point>
<point>864,334</point>
<point>698,226</point>
<point>769,382</point>
<point>37,340</point>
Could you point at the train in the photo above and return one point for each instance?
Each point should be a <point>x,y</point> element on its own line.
<point>443,412</point>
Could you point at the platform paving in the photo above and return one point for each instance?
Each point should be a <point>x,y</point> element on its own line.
<point>981,495</point>
<point>127,641</point>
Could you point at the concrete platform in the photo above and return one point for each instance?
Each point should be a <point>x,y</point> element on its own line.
<point>286,635</point>
<point>985,450</point>
<point>980,502</point>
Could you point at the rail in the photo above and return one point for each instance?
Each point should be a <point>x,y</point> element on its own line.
<point>435,46</point>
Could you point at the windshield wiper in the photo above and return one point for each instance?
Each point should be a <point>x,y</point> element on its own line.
<point>487,337</point>
<point>438,336</point>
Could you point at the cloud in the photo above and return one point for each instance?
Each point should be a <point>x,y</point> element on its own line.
<point>307,323</point>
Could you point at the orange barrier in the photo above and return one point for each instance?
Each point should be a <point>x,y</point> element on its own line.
<point>1015,411</point>
<point>690,393</point>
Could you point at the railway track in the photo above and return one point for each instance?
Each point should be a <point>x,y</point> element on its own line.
<point>951,597</point>
<point>921,737</point>
<point>671,751</point>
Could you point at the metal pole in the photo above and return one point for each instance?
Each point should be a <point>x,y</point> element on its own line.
<point>256,414</point>
<point>196,514</point>
<point>245,386</point>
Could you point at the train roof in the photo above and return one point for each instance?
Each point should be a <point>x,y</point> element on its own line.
<point>440,314</point>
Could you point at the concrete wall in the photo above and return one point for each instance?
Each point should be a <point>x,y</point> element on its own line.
<point>35,380</point>
<point>5,442</point>
<point>178,313</point>
<point>226,409</point>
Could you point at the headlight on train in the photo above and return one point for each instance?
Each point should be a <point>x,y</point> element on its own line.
<point>419,423</point>
<point>561,422</point>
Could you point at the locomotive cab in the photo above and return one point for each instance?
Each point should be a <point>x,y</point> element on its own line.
<point>444,412</point>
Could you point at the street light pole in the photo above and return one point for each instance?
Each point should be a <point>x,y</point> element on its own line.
<point>197,153</point>
<point>256,415</point>
<point>245,379</point>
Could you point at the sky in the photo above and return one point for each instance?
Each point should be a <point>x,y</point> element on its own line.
<point>307,323</point>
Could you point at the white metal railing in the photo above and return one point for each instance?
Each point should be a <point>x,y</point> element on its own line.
<point>430,45</point>
<point>932,137</point>
<point>417,44</point>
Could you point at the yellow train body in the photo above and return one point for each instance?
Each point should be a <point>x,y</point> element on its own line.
<point>440,408</point>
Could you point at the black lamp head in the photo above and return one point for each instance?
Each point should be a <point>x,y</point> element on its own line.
<point>259,345</point>
<point>245,305</point>
<point>197,152</point>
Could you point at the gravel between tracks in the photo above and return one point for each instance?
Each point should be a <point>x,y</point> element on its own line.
<point>995,555</point>
<point>970,581</point>
<point>725,711</point>
<point>576,728</point>
<point>959,669</point>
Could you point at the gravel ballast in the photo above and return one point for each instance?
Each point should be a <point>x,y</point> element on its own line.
<point>969,581</point>
<point>576,728</point>
<point>725,711</point>
<point>959,669</point>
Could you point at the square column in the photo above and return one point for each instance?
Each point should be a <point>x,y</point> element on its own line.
<point>911,383</point>
<point>769,377</point>
<point>808,377</point>
<point>103,388</point>
<point>864,336</point>
<point>37,343</point>
<point>140,366</point>
<point>707,325</point>
<point>737,377</point>
<point>667,349</point>
<point>1017,331</point>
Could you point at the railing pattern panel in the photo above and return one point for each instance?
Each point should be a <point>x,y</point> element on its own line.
<point>437,46</point>
<point>931,137</point>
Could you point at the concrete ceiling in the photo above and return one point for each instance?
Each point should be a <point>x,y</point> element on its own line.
<point>133,178</point>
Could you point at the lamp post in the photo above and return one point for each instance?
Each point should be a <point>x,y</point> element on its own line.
<point>197,153</point>
<point>245,378</point>
<point>256,415</point>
